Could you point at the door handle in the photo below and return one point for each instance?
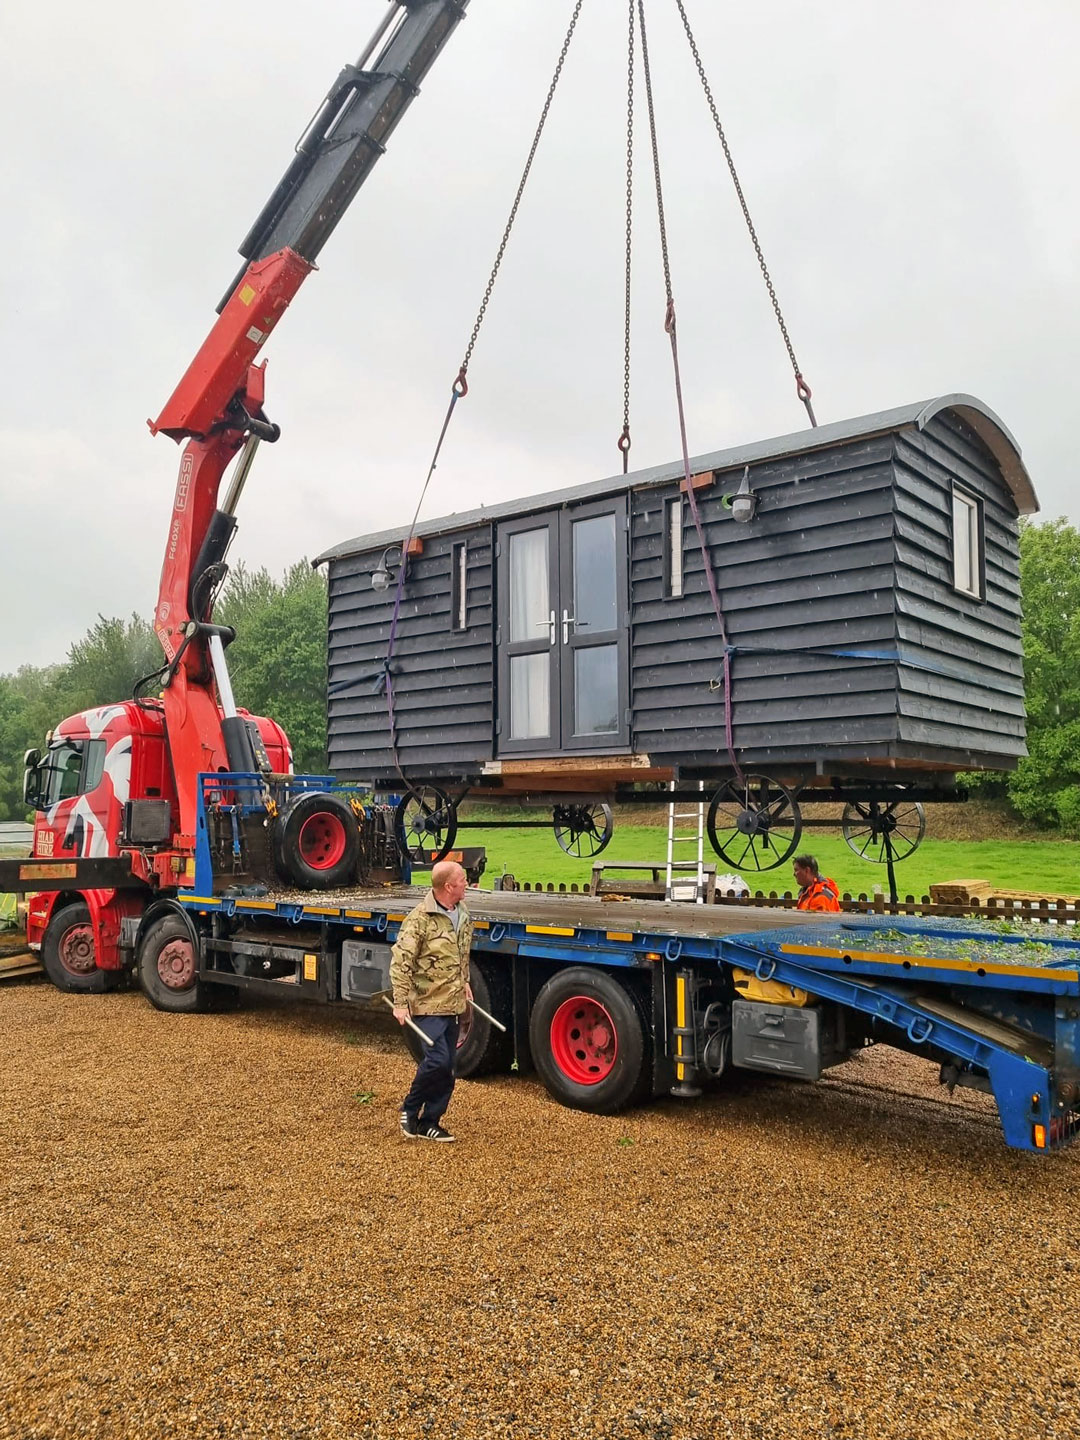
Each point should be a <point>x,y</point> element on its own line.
<point>549,625</point>
<point>567,621</point>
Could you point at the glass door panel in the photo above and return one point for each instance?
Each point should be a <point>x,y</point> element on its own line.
<point>596,605</point>
<point>530,697</point>
<point>594,629</point>
<point>528,639</point>
<point>529,585</point>
<point>596,690</point>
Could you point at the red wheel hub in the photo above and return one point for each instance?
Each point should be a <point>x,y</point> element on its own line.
<point>76,950</point>
<point>322,841</point>
<point>584,1041</point>
<point>176,964</point>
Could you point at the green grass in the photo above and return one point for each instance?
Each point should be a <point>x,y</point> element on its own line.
<point>1046,866</point>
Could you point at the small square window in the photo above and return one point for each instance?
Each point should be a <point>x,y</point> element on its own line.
<point>673,547</point>
<point>459,611</point>
<point>967,541</point>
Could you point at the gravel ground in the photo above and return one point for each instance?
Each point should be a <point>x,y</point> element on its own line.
<point>210,1227</point>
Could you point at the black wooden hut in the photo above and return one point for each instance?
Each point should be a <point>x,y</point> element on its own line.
<point>867,642</point>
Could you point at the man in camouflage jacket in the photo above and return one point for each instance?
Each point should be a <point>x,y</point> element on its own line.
<point>429,973</point>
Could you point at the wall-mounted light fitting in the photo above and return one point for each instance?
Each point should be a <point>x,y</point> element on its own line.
<point>743,503</point>
<point>382,576</point>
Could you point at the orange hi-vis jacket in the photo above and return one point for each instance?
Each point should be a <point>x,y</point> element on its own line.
<point>820,894</point>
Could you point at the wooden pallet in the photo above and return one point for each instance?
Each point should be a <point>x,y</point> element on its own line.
<point>15,958</point>
<point>21,963</point>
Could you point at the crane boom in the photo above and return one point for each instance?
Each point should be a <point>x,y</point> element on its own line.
<point>217,407</point>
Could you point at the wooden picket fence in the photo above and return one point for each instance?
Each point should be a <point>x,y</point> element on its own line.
<point>1044,908</point>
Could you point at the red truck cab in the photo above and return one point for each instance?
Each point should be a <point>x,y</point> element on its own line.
<point>104,788</point>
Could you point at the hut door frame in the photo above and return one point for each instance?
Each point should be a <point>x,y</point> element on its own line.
<point>548,568</point>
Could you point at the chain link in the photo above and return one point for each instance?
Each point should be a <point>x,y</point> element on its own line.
<point>688,480</point>
<point>520,191</point>
<point>802,388</point>
<point>624,438</point>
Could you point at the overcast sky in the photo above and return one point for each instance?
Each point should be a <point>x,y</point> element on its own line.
<point>912,169</point>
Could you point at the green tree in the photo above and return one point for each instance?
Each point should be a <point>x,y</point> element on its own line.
<point>103,666</point>
<point>30,704</point>
<point>278,660</point>
<point>1046,785</point>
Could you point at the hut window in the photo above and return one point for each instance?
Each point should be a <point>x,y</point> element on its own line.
<point>967,544</point>
<point>458,609</point>
<point>673,547</point>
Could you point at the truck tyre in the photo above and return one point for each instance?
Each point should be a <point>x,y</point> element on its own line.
<point>168,966</point>
<point>589,1041</point>
<point>67,953</point>
<point>482,1048</point>
<point>317,843</point>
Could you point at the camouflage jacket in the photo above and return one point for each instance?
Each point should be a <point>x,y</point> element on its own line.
<point>429,964</point>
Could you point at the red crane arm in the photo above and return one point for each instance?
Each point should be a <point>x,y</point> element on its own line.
<point>218,404</point>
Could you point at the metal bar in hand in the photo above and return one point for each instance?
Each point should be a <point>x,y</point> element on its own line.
<point>481,1011</point>
<point>411,1024</point>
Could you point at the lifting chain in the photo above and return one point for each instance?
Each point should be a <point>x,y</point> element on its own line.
<point>801,387</point>
<point>461,383</point>
<point>624,438</point>
<point>460,389</point>
<point>688,480</point>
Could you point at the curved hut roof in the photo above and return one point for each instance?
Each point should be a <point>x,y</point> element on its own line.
<point>986,425</point>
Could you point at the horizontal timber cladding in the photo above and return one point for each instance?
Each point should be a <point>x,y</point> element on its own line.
<point>852,650</point>
<point>443,675</point>
<point>968,693</point>
<point>812,573</point>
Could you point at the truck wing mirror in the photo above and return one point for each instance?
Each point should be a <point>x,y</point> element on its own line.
<point>31,788</point>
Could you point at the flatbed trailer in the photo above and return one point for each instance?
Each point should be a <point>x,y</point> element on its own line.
<point>614,1001</point>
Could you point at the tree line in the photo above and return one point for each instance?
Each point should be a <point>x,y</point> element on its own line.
<point>278,668</point>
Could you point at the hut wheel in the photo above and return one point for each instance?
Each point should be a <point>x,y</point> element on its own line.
<point>426,820</point>
<point>754,823</point>
<point>583,830</point>
<point>872,827</point>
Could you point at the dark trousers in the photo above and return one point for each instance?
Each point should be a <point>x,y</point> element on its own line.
<point>433,1083</point>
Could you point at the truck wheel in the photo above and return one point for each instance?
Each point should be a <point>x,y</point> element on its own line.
<point>169,968</point>
<point>589,1041</point>
<point>67,953</point>
<point>481,1049</point>
<point>317,843</point>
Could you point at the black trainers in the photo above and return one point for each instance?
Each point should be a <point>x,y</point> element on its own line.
<point>410,1126</point>
<point>429,1131</point>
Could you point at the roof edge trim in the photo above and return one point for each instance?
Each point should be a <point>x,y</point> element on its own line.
<point>995,436</point>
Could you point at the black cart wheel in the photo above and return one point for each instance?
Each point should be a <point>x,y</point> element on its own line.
<point>317,842</point>
<point>871,828</point>
<point>426,819</point>
<point>67,953</point>
<point>168,964</point>
<point>589,1041</point>
<point>482,1048</point>
<point>754,824</point>
<point>583,830</point>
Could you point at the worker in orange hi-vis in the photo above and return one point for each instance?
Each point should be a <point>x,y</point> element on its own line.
<point>816,892</point>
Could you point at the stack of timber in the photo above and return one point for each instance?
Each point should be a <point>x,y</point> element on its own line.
<point>964,892</point>
<point>15,958</point>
